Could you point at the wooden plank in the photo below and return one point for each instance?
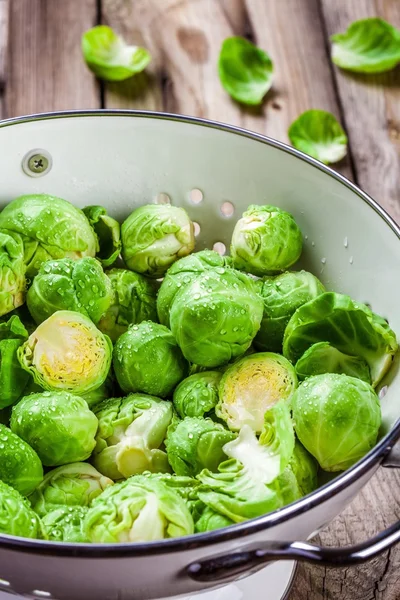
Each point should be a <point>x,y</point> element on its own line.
<point>4,28</point>
<point>375,508</point>
<point>46,70</point>
<point>292,33</point>
<point>371,105</point>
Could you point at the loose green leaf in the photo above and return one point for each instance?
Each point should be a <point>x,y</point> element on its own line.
<point>347,325</point>
<point>109,56</point>
<point>108,231</point>
<point>318,133</point>
<point>368,46</point>
<point>245,71</point>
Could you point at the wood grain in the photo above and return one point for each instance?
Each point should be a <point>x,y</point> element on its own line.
<point>292,33</point>
<point>371,107</point>
<point>46,70</point>
<point>4,29</point>
<point>185,37</point>
<point>374,509</point>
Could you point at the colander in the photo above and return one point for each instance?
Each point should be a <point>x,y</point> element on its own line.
<point>121,159</point>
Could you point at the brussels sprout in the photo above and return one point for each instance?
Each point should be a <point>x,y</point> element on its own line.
<point>12,272</point>
<point>138,510</point>
<point>195,444</point>
<point>76,484</point>
<point>20,466</point>
<point>337,419</point>
<point>197,395</point>
<point>305,469</point>
<point>236,492</point>
<point>323,358</point>
<point>13,378</point>
<point>67,352</point>
<point>16,516</point>
<point>134,301</point>
<point>282,296</point>
<point>186,487</point>
<point>130,433</point>
<point>210,520</point>
<point>347,325</point>
<point>251,385</point>
<point>66,284</point>
<point>154,236</point>
<point>109,57</point>
<point>147,359</point>
<point>58,425</point>
<point>65,524</point>
<point>50,228</point>
<point>182,272</point>
<point>215,317</point>
<point>266,240</point>
<point>108,232</point>
<point>250,484</point>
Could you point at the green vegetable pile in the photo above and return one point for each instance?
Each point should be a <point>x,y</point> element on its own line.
<point>133,410</point>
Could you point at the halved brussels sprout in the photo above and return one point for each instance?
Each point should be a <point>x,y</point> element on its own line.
<point>182,272</point>
<point>337,419</point>
<point>67,352</point>
<point>147,359</point>
<point>215,317</point>
<point>58,425</point>
<point>134,301</point>
<point>78,285</point>
<point>282,296</point>
<point>139,509</point>
<point>20,466</point>
<point>323,358</point>
<point>266,240</point>
<point>50,228</point>
<point>75,484</point>
<point>154,236</point>
<point>197,395</point>
<point>14,379</point>
<point>66,524</point>
<point>195,444</point>
<point>349,326</point>
<point>130,433</point>
<point>242,490</point>
<point>16,516</point>
<point>108,232</point>
<point>12,272</point>
<point>251,385</point>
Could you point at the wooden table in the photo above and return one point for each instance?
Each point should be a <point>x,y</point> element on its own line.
<point>44,71</point>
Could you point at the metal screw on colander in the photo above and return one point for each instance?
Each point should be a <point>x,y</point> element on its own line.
<point>37,163</point>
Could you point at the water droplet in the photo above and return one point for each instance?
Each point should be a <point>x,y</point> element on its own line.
<point>345,242</point>
<point>351,260</point>
<point>323,260</point>
<point>312,243</point>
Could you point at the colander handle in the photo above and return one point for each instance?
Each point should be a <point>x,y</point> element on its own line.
<point>231,566</point>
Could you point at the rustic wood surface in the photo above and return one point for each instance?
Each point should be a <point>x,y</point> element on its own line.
<point>41,69</point>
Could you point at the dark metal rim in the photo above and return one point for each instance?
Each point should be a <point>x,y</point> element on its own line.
<point>241,530</point>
